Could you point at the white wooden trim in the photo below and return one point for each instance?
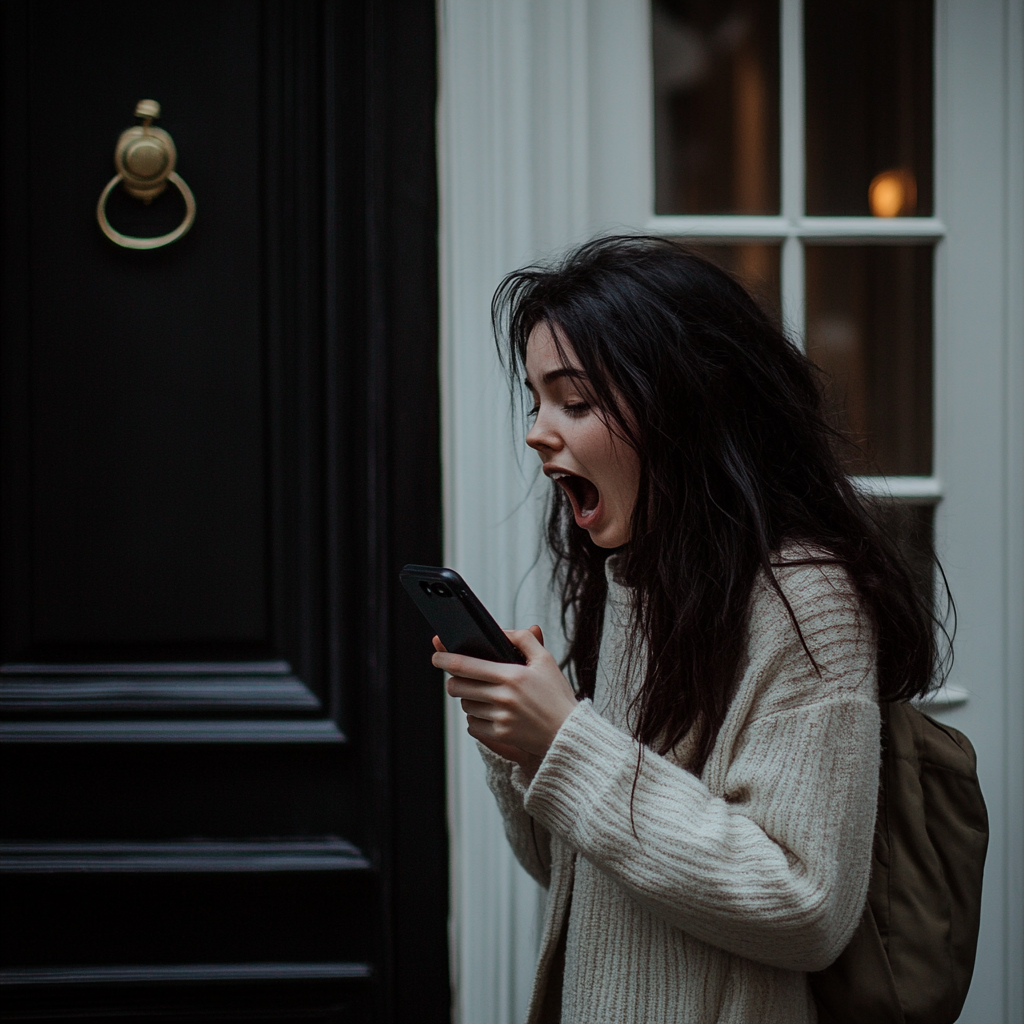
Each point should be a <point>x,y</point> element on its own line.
<point>486,210</point>
<point>907,488</point>
<point>978,452</point>
<point>862,230</point>
<point>791,99</point>
<point>859,230</point>
<point>544,139</point>
<point>736,228</point>
<point>1013,471</point>
<point>794,312</point>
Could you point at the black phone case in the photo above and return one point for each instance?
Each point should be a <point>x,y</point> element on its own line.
<point>457,615</point>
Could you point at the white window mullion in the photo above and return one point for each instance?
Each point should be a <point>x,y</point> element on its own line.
<point>792,274</point>
<point>909,489</point>
<point>737,228</point>
<point>792,110</point>
<point>791,38</point>
<point>881,230</point>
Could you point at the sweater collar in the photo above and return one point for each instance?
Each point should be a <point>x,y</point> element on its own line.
<point>618,592</point>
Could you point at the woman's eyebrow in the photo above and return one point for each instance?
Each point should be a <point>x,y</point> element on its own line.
<point>552,375</point>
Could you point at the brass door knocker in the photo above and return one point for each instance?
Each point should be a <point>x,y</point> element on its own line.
<point>144,158</point>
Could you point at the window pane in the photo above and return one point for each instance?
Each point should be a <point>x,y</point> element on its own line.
<point>716,106</point>
<point>755,265</point>
<point>869,107</point>
<point>869,327</point>
<point>911,525</point>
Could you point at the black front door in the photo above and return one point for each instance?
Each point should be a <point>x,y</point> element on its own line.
<point>222,762</point>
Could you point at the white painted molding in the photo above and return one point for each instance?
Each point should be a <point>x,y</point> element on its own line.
<point>544,140</point>
<point>927,489</point>
<point>486,214</point>
<point>862,230</point>
<point>735,228</point>
<point>1013,473</point>
<point>791,152</point>
<point>979,455</point>
<point>866,230</point>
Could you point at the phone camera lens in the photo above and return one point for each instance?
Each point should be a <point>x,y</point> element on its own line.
<point>425,587</point>
<point>441,590</point>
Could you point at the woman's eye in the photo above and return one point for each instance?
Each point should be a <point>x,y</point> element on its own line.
<point>572,409</point>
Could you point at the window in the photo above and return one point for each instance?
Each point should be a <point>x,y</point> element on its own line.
<point>793,145</point>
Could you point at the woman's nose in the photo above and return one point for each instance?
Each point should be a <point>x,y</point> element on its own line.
<point>542,436</point>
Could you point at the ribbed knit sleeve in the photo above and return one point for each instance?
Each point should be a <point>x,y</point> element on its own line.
<point>767,855</point>
<point>530,841</point>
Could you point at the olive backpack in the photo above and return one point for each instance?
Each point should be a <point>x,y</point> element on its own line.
<point>911,958</point>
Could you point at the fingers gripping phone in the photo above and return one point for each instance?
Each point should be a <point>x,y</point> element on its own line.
<point>457,615</point>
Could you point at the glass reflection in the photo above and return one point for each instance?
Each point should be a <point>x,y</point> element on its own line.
<point>893,193</point>
<point>756,265</point>
<point>868,80</point>
<point>716,106</point>
<point>869,327</point>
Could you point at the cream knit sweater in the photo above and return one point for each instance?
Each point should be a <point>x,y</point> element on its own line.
<point>736,883</point>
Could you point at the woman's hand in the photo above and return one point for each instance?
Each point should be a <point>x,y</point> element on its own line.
<point>514,710</point>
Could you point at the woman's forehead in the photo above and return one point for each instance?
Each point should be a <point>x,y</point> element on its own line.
<point>548,349</point>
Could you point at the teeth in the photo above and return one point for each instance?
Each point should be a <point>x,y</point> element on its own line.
<point>559,476</point>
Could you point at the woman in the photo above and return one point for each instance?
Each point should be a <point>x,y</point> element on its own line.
<point>700,800</point>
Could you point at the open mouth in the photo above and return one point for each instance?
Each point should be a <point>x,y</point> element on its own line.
<point>583,495</point>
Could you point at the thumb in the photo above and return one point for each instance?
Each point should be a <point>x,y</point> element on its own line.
<point>527,640</point>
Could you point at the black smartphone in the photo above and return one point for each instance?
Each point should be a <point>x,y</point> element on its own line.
<point>457,615</point>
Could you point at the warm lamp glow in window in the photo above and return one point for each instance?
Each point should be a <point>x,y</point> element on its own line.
<point>893,193</point>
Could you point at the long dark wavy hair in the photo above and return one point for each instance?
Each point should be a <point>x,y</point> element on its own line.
<point>736,460</point>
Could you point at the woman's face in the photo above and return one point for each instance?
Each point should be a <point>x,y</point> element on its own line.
<point>597,470</point>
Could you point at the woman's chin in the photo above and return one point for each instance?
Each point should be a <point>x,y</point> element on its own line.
<point>609,535</point>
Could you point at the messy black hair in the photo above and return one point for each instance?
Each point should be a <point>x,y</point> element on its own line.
<point>737,460</point>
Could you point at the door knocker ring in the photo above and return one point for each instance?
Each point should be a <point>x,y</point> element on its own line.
<point>144,159</point>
